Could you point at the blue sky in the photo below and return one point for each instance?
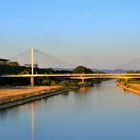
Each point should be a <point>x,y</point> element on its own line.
<point>94,33</point>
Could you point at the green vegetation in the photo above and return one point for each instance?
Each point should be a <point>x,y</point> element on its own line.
<point>127,82</point>
<point>134,81</point>
<point>9,63</point>
<point>15,68</point>
<point>82,69</point>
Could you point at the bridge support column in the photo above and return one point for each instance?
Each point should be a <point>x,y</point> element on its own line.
<point>32,81</point>
<point>83,80</point>
<point>126,80</point>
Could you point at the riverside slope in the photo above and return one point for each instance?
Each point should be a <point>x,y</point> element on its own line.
<point>21,95</point>
<point>135,88</point>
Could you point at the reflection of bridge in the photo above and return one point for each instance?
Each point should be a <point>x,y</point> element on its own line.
<point>43,58</point>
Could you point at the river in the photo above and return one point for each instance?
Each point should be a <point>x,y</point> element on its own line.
<point>104,112</point>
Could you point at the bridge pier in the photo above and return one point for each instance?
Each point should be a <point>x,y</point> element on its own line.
<point>83,80</point>
<point>126,80</point>
<point>32,81</point>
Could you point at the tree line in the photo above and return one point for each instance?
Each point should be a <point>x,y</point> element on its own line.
<point>15,68</point>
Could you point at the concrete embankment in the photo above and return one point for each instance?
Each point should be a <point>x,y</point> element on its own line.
<point>134,88</point>
<point>18,96</point>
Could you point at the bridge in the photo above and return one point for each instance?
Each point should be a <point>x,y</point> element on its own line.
<point>82,76</point>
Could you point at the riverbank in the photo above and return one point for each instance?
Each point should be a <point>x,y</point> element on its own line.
<point>135,88</point>
<point>20,95</point>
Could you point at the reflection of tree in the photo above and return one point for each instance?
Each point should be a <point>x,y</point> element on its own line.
<point>65,94</point>
<point>9,112</point>
<point>83,90</point>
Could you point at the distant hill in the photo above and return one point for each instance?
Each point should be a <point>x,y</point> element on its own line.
<point>106,71</point>
<point>113,71</point>
<point>95,70</point>
<point>69,69</point>
<point>109,70</point>
<point>119,71</point>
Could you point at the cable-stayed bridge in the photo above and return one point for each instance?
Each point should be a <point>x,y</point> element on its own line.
<point>40,59</point>
<point>35,58</point>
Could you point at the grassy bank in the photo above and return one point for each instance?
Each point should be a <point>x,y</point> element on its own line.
<point>10,97</point>
<point>17,93</point>
<point>131,85</point>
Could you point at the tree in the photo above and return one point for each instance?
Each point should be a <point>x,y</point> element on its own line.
<point>2,63</point>
<point>52,83</point>
<point>11,63</point>
<point>64,83</point>
<point>82,69</point>
<point>24,72</point>
<point>45,82</point>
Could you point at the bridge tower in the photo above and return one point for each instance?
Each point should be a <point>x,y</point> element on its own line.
<point>32,67</point>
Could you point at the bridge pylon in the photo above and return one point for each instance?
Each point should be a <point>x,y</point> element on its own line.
<point>32,67</point>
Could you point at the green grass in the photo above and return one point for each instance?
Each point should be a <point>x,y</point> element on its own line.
<point>129,81</point>
<point>133,81</point>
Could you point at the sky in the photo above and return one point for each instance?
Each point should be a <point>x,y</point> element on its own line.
<point>95,33</point>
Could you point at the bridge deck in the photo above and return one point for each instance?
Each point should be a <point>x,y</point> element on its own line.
<point>80,76</point>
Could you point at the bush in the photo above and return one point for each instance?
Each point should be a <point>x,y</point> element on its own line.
<point>45,82</point>
<point>64,83</point>
<point>52,83</point>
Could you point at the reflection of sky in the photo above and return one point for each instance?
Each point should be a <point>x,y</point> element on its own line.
<point>107,32</point>
<point>104,113</point>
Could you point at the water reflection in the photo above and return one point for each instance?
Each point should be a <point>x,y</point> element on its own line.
<point>65,94</point>
<point>12,111</point>
<point>33,124</point>
<point>103,112</point>
<point>84,90</point>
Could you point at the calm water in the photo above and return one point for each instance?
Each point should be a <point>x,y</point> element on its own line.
<point>104,112</point>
